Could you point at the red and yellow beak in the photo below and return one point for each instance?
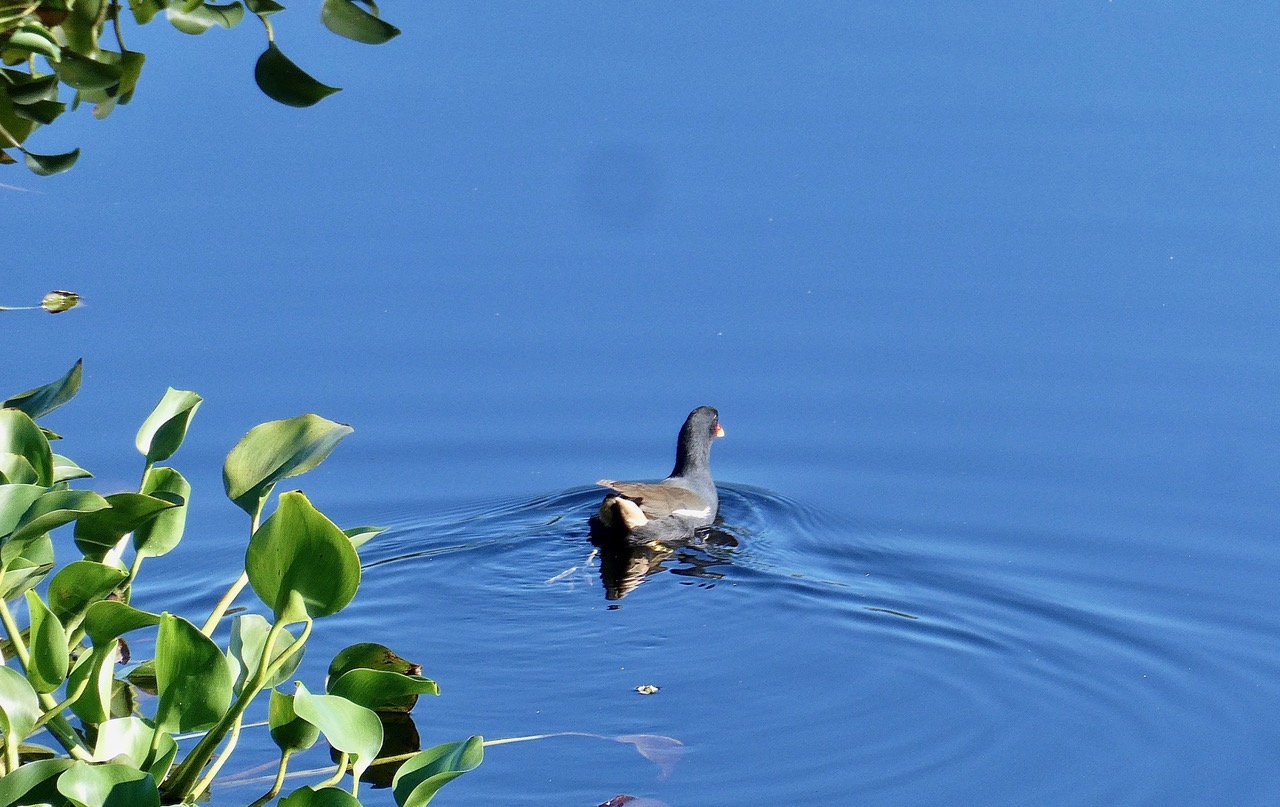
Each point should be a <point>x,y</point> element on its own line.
<point>719,432</point>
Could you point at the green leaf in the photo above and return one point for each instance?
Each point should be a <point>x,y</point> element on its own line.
<point>264,8</point>
<point>362,535</point>
<point>418,780</point>
<point>131,62</point>
<point>200,18</point>
<point>163,533</point>
<point>248,639</point>
<point>20,435</point>
<point>78,585</point>
<point>18,128</point>
<point>300,564</point>
<point>15,501</point>
<point>47,647</point>
<point>65,469</point>
<point>35,39</point>
<point>347,726</point>
<point>108,785</point>
<point>192,678</point>
<point>84,73</point>
<point>145,10</point>
<point>28,569</point>
<point>15,470</point>
<point>45,112</point>
<point>46,165</point>
<point>324,797</point>
<point>52,510</point>
<point>382,690</point>
<point>165,428</point>
<point>33,783</point>
<point>28,90</point>
<point>371,656</point>
<point>131,738</point>
<point>110,619</point>
<point>19,706</point>
<point>277,450</point>
<point>98,532</point>
<point>99,667</point>
<point>345,18</point>
<point>44,399</point>
<point>290,732</point>
<point>284,81</point>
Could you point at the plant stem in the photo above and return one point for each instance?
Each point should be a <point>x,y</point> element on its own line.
<point>64,703</point>
<point>203,785</point>
<point>337,776</point>
<point>278,785</point>
<point>220,609</point>
<point>15,635</point>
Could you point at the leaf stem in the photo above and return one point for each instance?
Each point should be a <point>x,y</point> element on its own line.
<point>337,776</point>
<point>220,609</point>
<point>278,784</point>
<point>207,780</point>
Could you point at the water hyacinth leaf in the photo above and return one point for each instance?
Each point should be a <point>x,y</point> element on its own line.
<point>347,19</point>
<point>28,569</point>
<point>15,501</point>
<point>347,726</point>
<point>276,450</point>
<point>66,469</point>
<point>284,81</point>
<point>45,112</point>
<point>19,706</point>
<point>196,18</point>
<point>419,779</point>
<point>84,73</point>
<point>16,470</point>
<point>248,640</point>
<point>47,646</point>
<point>34,783</point>
<point>144,676</point>
<point>362,535</point>
<point>144,11</point>
<point>300,564</point>
<point>78,585</point>
<point>192,678</point>
<point>98,532</point>
<point>264,8</point>
<point>46,165</point>
<point>289,732</point>
<point>131,737</point>
<point>324,797</point>
<point>44,399</point>
<point>163,533</point>
<point>108,785</point>
<point>35,39</point>
<point>382,690</point>
<point>130,71</point>
<point>99,667</point>
<point>165,428</point>
<point>372,656</point>
<point>55,508</point>
<point>27,90</point>
<point>20,435</point>
<point>110,619</point>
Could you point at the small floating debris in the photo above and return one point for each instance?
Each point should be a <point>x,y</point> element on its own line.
<point>55,302</point>
<point>648,689</point>
<point>892,612</point>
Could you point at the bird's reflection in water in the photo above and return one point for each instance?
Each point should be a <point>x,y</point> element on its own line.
<point>624,564</point>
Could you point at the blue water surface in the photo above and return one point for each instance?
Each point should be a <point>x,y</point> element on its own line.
<point>985,295</point>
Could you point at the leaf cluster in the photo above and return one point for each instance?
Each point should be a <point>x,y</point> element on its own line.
<point>75,681</point>
<point>45,44</point>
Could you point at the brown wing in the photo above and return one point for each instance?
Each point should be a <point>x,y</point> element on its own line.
<point>657,501</point>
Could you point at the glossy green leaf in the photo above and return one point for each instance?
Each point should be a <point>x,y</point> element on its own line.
<point>78,585</point>
<point>248,640</point>
<point>98,532</point>
<point>18,128</point>
<point>347,726</point>
<point>300,564</point>
<point>47,646</point>
<point>25,89</point>
<point>130,71</point>
<point>345,18</point>
<point>55,508</point>
<point>20,435</point>
<point>84,73</point>
<point>45,112</point>
<point>16,470</point>
<point>362,535</point>
<point>44,399</point>
<point>108,785</point>
<point>324,797</point>
<point>382,690</point>
<point>144,11</point>
<point>290,732</point>
<point>264,8</point>
<point>65,469</point>
<point>131,738</point>
<point>372,656</point>
<point>197,19</point>
<point>15,501</point>
<point>28,569</point>
<point>34,783</point>
<point>110,619</point>
<point>80,27</point>
<point>192,678</point>
<point>165,428</point>
<point>284,81</point>
<point>99,667</point>
<point>19,706</point>
<point>276,450</point>
<point>144,676</point>
<point>163,533</point>
<point>35,39</point>
<point>418,780</point>
<point>47,165</point>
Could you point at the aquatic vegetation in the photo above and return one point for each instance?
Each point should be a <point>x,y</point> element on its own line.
<point>75,679</point>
